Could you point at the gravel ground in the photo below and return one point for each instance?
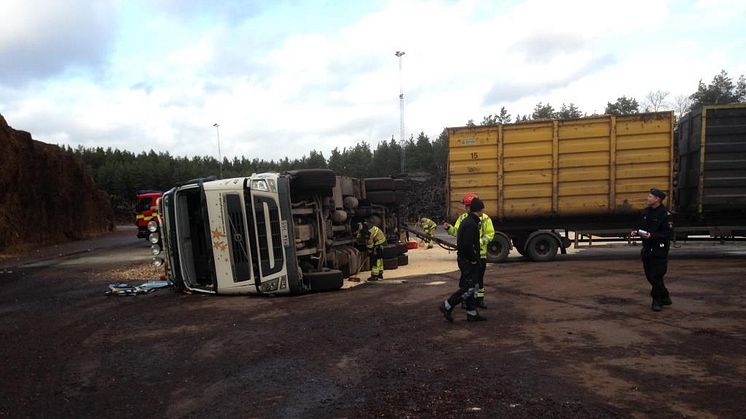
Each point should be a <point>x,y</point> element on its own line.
<point>570,338</point>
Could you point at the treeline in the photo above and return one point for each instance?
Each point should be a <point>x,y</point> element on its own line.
<point>122,173</point>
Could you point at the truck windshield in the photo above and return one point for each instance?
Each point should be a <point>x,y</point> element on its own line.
<point>194,240</point>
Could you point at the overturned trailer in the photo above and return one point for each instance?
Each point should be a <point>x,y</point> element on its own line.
<point>270,233</point>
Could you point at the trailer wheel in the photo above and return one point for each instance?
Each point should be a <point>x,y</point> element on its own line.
<point>498,249</point>
<point>314,179</point>
<point>542,247</point>
<point>327,280</point>
<point>391,263</point>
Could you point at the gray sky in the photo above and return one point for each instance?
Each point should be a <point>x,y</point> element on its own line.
<point>284,77</point>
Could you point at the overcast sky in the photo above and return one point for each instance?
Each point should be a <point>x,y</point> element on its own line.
<point>284,77</point>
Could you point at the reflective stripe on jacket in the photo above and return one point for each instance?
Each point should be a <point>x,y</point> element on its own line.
<point>486,230</point>
<point>375,237</point>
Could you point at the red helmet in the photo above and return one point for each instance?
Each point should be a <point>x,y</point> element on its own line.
<point>469,197</point>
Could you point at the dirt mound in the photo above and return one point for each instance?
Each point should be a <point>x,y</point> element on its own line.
<point>46,194</point>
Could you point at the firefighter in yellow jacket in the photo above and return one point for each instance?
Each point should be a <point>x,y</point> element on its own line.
<point>487,233</point>
<point>428,226</point>
<point>374,241</point>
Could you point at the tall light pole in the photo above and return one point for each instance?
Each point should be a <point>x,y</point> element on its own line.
<point>220,157</point>
<point>399,54</point>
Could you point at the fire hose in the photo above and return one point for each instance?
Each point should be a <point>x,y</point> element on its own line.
<point>424,236</point>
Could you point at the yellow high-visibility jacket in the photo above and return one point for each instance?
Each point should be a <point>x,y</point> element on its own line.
<point>375,237</point>
<point>486,231</point>
<point>427,224</point>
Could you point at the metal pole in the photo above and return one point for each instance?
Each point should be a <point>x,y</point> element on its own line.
<point>402,140</point>
<point>220,156</point>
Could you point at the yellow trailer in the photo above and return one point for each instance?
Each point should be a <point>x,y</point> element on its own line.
<point>541,176</point>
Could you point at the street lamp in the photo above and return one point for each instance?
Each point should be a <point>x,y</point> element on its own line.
<point>399,54</point>
<point>220,157</point>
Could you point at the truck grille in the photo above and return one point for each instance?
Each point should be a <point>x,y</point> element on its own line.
<point>269,238</point>
<point>237,229</point>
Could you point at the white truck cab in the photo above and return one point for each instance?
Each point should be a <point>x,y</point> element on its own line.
<point>268,233</point>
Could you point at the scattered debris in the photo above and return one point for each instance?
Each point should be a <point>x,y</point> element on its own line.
<point>121,288</point>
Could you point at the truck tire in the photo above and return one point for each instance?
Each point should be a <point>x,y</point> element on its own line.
<point>542,247</point>
<point>313,179</point>
<point>498,249</point>
<point>403,248</point>
<point>382,197</point>
<point>403,260</point>
<point>400,185</point>
<point>391,263</point>
<point>401,197</point>
<point>379,184</point>
<point>390,251</point>
<point>327,280</point>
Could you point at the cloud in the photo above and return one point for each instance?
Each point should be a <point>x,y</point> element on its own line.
<point>41,39</point>
<point>543,47</point>
<point>506,91</point>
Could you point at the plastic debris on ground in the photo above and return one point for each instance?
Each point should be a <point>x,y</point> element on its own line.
<point>121,288</point>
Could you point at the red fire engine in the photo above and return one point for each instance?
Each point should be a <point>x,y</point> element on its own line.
<point>146,210</point>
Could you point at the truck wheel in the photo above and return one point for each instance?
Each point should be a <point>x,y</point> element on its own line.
<point>327,280</point>
<point>403,260</point>
<point>390,251</point>
<point>403,248</point>
<point>381,197</point>
<point>542,247</point>
<point>401,197</point>
<point>390,264</point>
<point>313,179</point>
<point>498,249</point>
<point>379,184</point>
<point>400,185</point>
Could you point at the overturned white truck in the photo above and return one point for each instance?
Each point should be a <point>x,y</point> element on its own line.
<point>273,233</point>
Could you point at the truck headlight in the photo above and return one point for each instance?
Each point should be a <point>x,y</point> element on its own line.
<point>156,249</point>
<point>259,185</point>
<point>152,226</point>
<point>157,262</point>
<point>154,238</point>
<point>270,285</point>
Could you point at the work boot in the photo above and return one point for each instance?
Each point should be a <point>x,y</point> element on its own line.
<point>429,246</point>
<point>446,312</point>
<point>480,303</point>
<point>372,278</point>
<point>666,301</point>
<point>475,318</point>
<point>656,306</point>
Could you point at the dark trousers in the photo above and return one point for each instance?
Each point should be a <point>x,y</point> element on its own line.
<point>655,269</point>
<point>466,285</point>
<point>480,280</point>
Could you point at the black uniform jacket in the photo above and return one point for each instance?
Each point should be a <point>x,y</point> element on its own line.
<point>467,239</point>
<point>655,222</point>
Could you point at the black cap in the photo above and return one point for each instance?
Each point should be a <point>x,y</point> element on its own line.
<point>476,205</point>
<point>657,192</point>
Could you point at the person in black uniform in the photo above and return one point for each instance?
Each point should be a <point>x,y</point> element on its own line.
<point>655,232</point>
<point>468,244</point>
